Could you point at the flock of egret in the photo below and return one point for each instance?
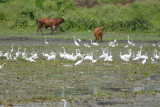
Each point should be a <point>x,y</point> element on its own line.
<point>79,58</point>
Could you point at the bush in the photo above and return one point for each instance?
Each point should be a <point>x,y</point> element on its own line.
<point>4,1</point>
<point>2,16</point>
<point>21,21</point>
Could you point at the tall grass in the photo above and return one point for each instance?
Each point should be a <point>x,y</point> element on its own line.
<point>140,16</point>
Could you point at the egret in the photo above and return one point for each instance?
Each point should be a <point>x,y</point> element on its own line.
<point>95,44</point>
<point>89,57</point>
<point>12,48</point>
<point>87,45</point>
<point>80,61</point>
<point>153,60</point>
<point>18,53</point>
<point>130,43</point>
<point>34,55</point>
<point>46,41</point>
<point>75,42</point>
<point>65,102</point>
<point>2,65</point>
<point>24,53</point>
<point>158,44</point>
<point>29,59</point>
<point>144,61</point>
<point>6,54</point>
<point>126,46</point>
<point>79,40</point>
<point>124,58</point>
<point>52,57</point>
<point>45,55</point>
<point>1,54</point>
<point>94,61</point>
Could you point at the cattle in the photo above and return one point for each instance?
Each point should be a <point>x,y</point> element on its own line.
<point>48,22</point>
<point>98,33</point>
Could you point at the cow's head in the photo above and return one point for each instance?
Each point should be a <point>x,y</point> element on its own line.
<point>61,19</point>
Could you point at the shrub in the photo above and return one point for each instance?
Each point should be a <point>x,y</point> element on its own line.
<point>2,16</point>
<point>21,21</point>
<point>4,1</point>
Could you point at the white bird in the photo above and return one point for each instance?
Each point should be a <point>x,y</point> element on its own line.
<point>2,65</point>
<point>130,43</point>
<point>46,41</point>
<point>1,54</point>
<point>153,61</point>
<point>24,53</point>
<point>52,57</point>
<point>34,55</point>
<point>75,42</point>
<point>156,56</point>
<point>113,44</point>
<point>80,61</point>
<point>6,54</point>
<point>12,48</point>
<point>65,102</point>
<point>124,58</point>
<point>126,46</point>
<point>29,59</point>
<point>95,44</point>
<point>158,44</point>
<point>153,45</point>
<point>18,53</point>
<point>89,57</point>
<point>144,61</point>
<point>45,54</point>
<point>14,58</point>
<point>94,60</point>
<point>79,40</point>
<point>87,45</point>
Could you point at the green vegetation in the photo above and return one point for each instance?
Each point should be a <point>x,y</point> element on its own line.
<point>79,15</point>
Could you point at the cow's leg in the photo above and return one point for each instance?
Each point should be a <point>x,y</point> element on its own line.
<point>52,29</point>
<point>41,30</point>
<point>101,38</point>
<point>38,29</point>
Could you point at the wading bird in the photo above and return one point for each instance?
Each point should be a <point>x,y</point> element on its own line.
<point>95,44</point>
<point>2,65</point>
<point>65,102</point>
<point>75,42</point>
<point>46,41</point>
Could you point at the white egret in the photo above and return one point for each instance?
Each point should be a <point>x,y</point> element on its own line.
<point>86,45</point>
<point>12,48</point>
<point>46,41</point>
<point>65,102</point>
<point>18,53</point>
<point>2,65</point>
<point>126,46</point>
<point>130,43</point>
<point>144,61</point>
<point>52,57</point>
<point>79,40</point>
<point>75,42</point>
<point>1,54</point>
<point>80,61</point>
<point>95,44</point>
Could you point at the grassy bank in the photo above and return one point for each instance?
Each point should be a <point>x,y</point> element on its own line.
<point>139,16</point>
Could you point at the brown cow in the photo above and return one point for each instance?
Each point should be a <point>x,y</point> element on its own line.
<point>48,22</point>
<point>98,33</point>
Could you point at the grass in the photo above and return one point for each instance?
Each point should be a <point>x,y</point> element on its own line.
<point>44,81</point>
